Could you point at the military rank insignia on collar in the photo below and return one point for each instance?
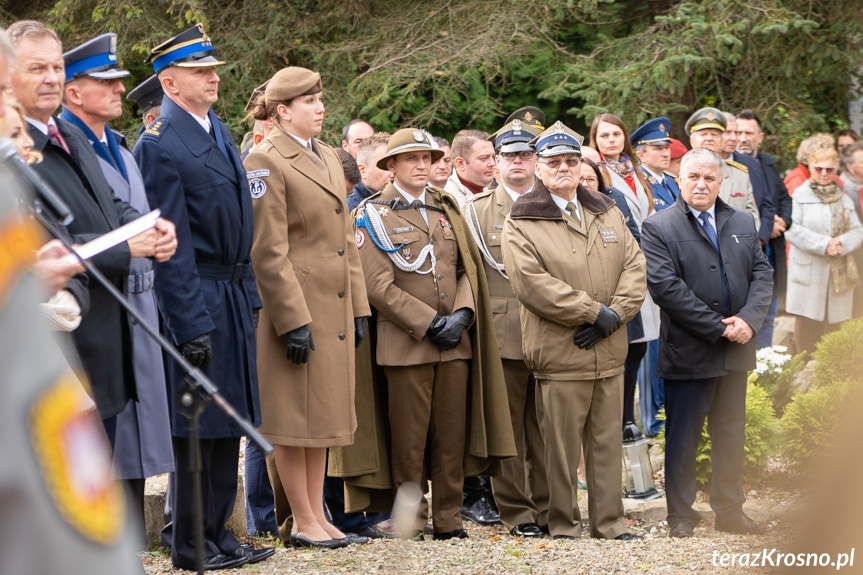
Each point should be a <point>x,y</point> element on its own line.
<point>154,129</point>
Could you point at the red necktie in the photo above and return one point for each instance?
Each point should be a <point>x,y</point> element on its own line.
<point>54,134</point>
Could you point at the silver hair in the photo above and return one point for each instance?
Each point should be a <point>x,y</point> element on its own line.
<point>702,157</point>
<point>7,51</point>
<point>729,117</point>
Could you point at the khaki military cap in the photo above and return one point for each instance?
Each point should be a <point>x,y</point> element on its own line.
<point>706,118</point>
<point>290,82</point>
<point>409,140</point>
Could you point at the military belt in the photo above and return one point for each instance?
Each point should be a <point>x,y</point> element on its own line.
<point>222,272</point>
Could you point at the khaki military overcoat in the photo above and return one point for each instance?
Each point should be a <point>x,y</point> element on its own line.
<point>562,271</point>
<point>308,273</point>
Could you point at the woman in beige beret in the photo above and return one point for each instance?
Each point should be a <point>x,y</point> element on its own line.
<point>315,307</point>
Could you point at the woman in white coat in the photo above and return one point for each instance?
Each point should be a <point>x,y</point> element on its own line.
<point>824,231</point>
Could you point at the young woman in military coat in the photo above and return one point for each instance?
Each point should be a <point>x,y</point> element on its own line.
<point>315,305</point>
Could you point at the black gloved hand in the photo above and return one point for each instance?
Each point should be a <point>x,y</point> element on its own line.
<point>198,352</point>
<point>448,335</point>
<point>256,315</point>
<point>587,337</point>
<point>434,328</point>
<point>361,330</point>
<point>607,322</point>
<point>299,343</point>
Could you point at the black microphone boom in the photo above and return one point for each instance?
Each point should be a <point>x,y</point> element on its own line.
<point>47,197</point>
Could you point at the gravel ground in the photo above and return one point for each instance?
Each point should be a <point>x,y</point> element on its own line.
<point>492,550</point>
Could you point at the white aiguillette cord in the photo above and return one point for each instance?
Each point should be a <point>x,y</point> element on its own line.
<point>470,214</point>
<point>400,262</point>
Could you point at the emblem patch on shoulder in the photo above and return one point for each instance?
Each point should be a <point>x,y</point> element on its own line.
<point>360,238</point>
<point>258,188</point>
<point>73,455</point>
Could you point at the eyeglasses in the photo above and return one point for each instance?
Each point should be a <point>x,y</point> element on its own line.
<point>511,155</point>
<point>555,164</point>
<point>589,180</point>
<point>823,170</point>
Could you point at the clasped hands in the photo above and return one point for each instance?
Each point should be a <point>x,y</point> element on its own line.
<point>607,322</point>
<point>737,330</point>
<point>445,331</point>
<point>159,242</point>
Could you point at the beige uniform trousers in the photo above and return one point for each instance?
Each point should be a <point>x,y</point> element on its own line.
<point>427,414</point>
<point>588,412</point>
<point>521,491</point>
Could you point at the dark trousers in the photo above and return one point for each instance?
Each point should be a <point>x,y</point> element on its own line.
<point>219,466</point>
<point>630,379</point>
<point>722,400</point>
<point>260,509</point>
<point>334,497</point>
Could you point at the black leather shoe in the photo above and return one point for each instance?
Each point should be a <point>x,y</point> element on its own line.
<point>217,562</point>
<point>357,539</point>
<point>457,534</point>
<point>253,555</point>
<point>373,533</point>
<point>299,540</point>
<point>481,512</point>
<point>564,537</point>
<point>628,537</point>
<point>740,524</point>
<point>680,531</point>
<point>526,530</point>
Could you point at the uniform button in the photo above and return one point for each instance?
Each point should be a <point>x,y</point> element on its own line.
<point>341,294</point>
<point>410,331</point>
<point>341,336</point>
<point>494,237</point>
<point>595,294</point>
<point>443,295</point>
<point>716,302</point>
<point>341,252</point>
<point>338,209</point>
<point>713,268</point>
<point>439,276</point>
<point>431,240</point>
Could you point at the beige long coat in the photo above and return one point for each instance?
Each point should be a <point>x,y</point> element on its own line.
<point>308,273</point>
<point>562,271</point>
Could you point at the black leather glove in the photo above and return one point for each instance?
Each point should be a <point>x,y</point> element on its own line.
<point>198,352</point>
<point>607,322</point>
<point>436,325</point>
<point>448,335</point>
<point>256,315</point>
<point>587,337</point>
<point>299,344</point>
<point>361,330</point>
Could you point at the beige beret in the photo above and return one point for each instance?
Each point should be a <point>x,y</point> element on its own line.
<point>290,82</point>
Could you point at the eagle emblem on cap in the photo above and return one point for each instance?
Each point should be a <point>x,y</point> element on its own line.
<point>418,136</point>
<point>528,117</point>
<point>662,128</point>
<point>710,116</point>
<point>516,127</point>
<point>558,127</point>
<point>113,48</point>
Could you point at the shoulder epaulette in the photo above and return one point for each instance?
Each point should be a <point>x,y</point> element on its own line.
<point>737,165</point>
<point>156,127</point>
<point>673,177</point>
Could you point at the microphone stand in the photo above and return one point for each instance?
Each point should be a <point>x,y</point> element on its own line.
<point>192,397</point>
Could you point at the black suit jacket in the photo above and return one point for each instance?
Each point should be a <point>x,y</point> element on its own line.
<point>683,276</point>
<point>783,203</point>
<point>763,197</point>
<point>103,340</point>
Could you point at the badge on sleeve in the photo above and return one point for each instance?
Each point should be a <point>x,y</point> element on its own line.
<point>360,238</point>
<point>74,456</point>
<point>258,188</point>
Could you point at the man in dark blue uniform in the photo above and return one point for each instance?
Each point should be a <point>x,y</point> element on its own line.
<point>652,146</point>
<point>207,293</point>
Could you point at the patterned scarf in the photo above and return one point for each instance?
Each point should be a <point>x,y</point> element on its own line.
<point>624,169</point>
<point>843,270</point>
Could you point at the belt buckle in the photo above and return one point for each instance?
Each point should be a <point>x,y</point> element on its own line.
<point>238,271</point>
